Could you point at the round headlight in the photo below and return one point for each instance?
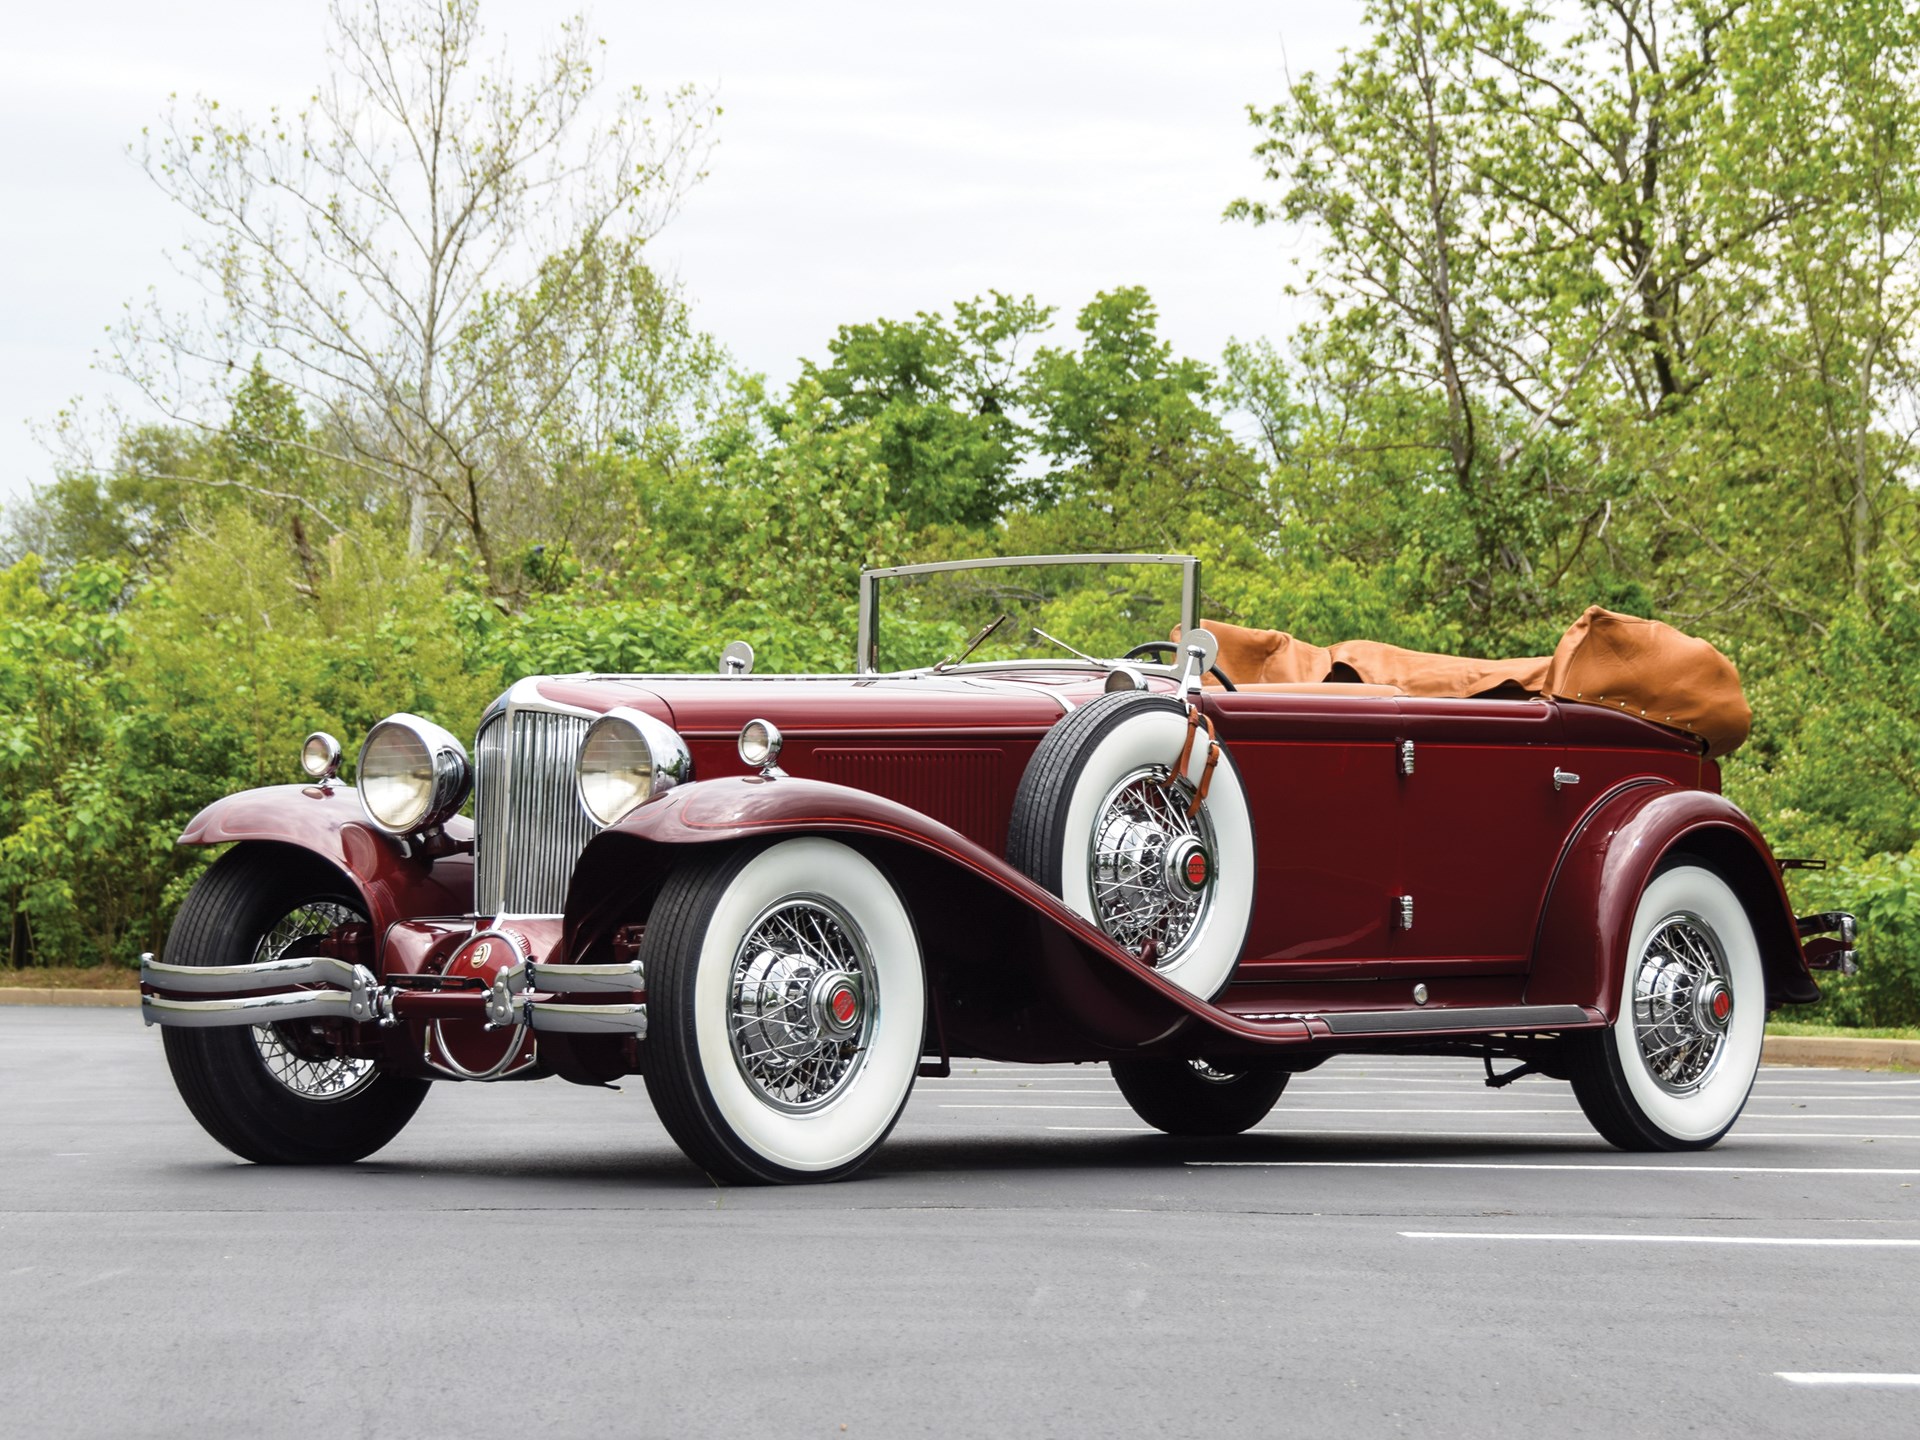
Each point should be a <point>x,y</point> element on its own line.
<point>412,774</point>
<point>760,744</point>
<point>628,758</point>
<point>320,756</point>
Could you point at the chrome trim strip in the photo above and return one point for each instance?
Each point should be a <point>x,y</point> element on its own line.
<point>254,1010</point>
<point>551,979</point>
<point>1483,1017</point>
<point>545,1015</point>
<point>222,979</point>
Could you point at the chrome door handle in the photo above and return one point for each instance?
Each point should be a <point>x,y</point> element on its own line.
<point>1564,778</point>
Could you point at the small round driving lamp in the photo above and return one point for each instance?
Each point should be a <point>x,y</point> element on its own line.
<point>412,774</point>
<point>627,758</point>
<point>760,744</point>
<point>320,756</point>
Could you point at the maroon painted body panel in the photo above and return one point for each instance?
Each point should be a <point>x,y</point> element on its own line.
<point>330,823</point>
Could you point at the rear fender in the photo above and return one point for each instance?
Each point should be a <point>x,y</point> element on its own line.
<point>1011,971</point>
<point>1580,949</point>
<point>395,884</point>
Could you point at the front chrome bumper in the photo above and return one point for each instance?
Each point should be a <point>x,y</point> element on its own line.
<point>353,994</point>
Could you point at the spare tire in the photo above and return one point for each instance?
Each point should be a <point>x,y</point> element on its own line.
<point>1101,820</point>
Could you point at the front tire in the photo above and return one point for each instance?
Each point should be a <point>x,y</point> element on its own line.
<point>1196,1097</point>
<point>1674,1070</point>
<point>787,1008</point>
<point>259,1090</point>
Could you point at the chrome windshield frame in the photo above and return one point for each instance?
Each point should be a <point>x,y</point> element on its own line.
<point>866,655</point>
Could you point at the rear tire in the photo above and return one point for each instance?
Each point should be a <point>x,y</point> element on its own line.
<point>1195,1097</point>
<point>1670,1073</point>
<point>323,1113</point>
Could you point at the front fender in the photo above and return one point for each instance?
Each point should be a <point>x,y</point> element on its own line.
<point>1580,949</point>
<point>1015,973</point>
<point>330,823</point>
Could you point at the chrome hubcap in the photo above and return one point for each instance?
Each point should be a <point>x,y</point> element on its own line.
<point>332,1078</point>
<point>1682,1003</point>
<point>802,1002</point>
<point>1152,867</point>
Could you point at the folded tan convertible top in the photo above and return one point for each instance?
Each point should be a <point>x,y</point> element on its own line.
<point>1624,663</point>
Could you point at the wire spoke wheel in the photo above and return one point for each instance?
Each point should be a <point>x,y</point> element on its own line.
<point>1142,840</point>
<point>1674,1068</point>
<point>1682,1002</point>
<point>802,1002</point>
<point>293,1060</point>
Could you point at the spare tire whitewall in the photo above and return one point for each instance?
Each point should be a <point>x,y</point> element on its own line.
<point>1100,820</point>
<point>788,1005</point>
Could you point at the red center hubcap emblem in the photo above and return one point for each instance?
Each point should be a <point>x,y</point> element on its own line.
<point>1196,870</point>
<point>1722,1005</point>
<point>843,1006</point>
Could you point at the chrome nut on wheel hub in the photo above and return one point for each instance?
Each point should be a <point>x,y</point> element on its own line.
<point>1713,1006</point>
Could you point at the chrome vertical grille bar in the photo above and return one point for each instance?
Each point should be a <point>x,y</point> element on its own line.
<point>528,821</point>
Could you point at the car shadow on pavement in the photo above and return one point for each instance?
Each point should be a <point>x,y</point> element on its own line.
<point>662,1167</point>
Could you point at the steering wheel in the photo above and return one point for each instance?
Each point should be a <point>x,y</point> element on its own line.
<point>1171,647</point>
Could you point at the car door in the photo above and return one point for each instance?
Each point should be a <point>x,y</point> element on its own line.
<point>1320,778</point>
<point>1482,822</point>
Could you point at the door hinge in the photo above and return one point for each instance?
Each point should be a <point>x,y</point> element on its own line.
<point>1403,911</point>
<point>1406,757</point>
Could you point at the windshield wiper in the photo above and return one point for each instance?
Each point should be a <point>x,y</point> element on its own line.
<point>972,645</point>
<point>1056,640</point>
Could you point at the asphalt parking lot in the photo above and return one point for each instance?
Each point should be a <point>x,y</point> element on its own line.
<point>1396,1249</point>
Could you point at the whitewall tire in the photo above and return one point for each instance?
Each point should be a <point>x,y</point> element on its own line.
<point>1674,1070</point>
<point>786,1004</point>
<point>1101,821</point>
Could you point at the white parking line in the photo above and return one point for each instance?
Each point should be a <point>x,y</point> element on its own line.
<point>1843,1377</point>
<point>1349,1133</point>
<point>1539,1165</point>
<point>1353,1132</point>
<point>1836,1242</point>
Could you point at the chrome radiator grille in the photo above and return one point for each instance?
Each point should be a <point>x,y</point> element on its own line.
<point>528,826</point>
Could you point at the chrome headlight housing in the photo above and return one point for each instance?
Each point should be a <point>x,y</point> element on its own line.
<point>627,758</point>
<point>412,774</point>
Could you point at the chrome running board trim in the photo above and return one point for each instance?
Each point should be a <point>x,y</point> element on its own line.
<point>1401,1022</point>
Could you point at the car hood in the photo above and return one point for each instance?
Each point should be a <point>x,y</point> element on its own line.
<point>707,706</point>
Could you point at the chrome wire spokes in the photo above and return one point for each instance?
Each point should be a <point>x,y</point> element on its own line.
<point>1682,1003</point>
<point>330,1078</point>
<point>1142,835</point>
<point>801,1003</point>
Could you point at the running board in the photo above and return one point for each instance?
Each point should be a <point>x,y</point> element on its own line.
<point>1409,1022</point>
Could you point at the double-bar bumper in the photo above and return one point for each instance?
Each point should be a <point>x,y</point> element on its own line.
<point>352,993</point>
<point>511,1000</point>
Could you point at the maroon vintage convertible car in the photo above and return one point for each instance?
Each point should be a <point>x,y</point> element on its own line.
<point>781,899</point>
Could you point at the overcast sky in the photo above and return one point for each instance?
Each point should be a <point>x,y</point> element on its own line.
<point>874,160</point>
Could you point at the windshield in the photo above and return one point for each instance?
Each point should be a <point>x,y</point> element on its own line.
<point>916,616</point>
